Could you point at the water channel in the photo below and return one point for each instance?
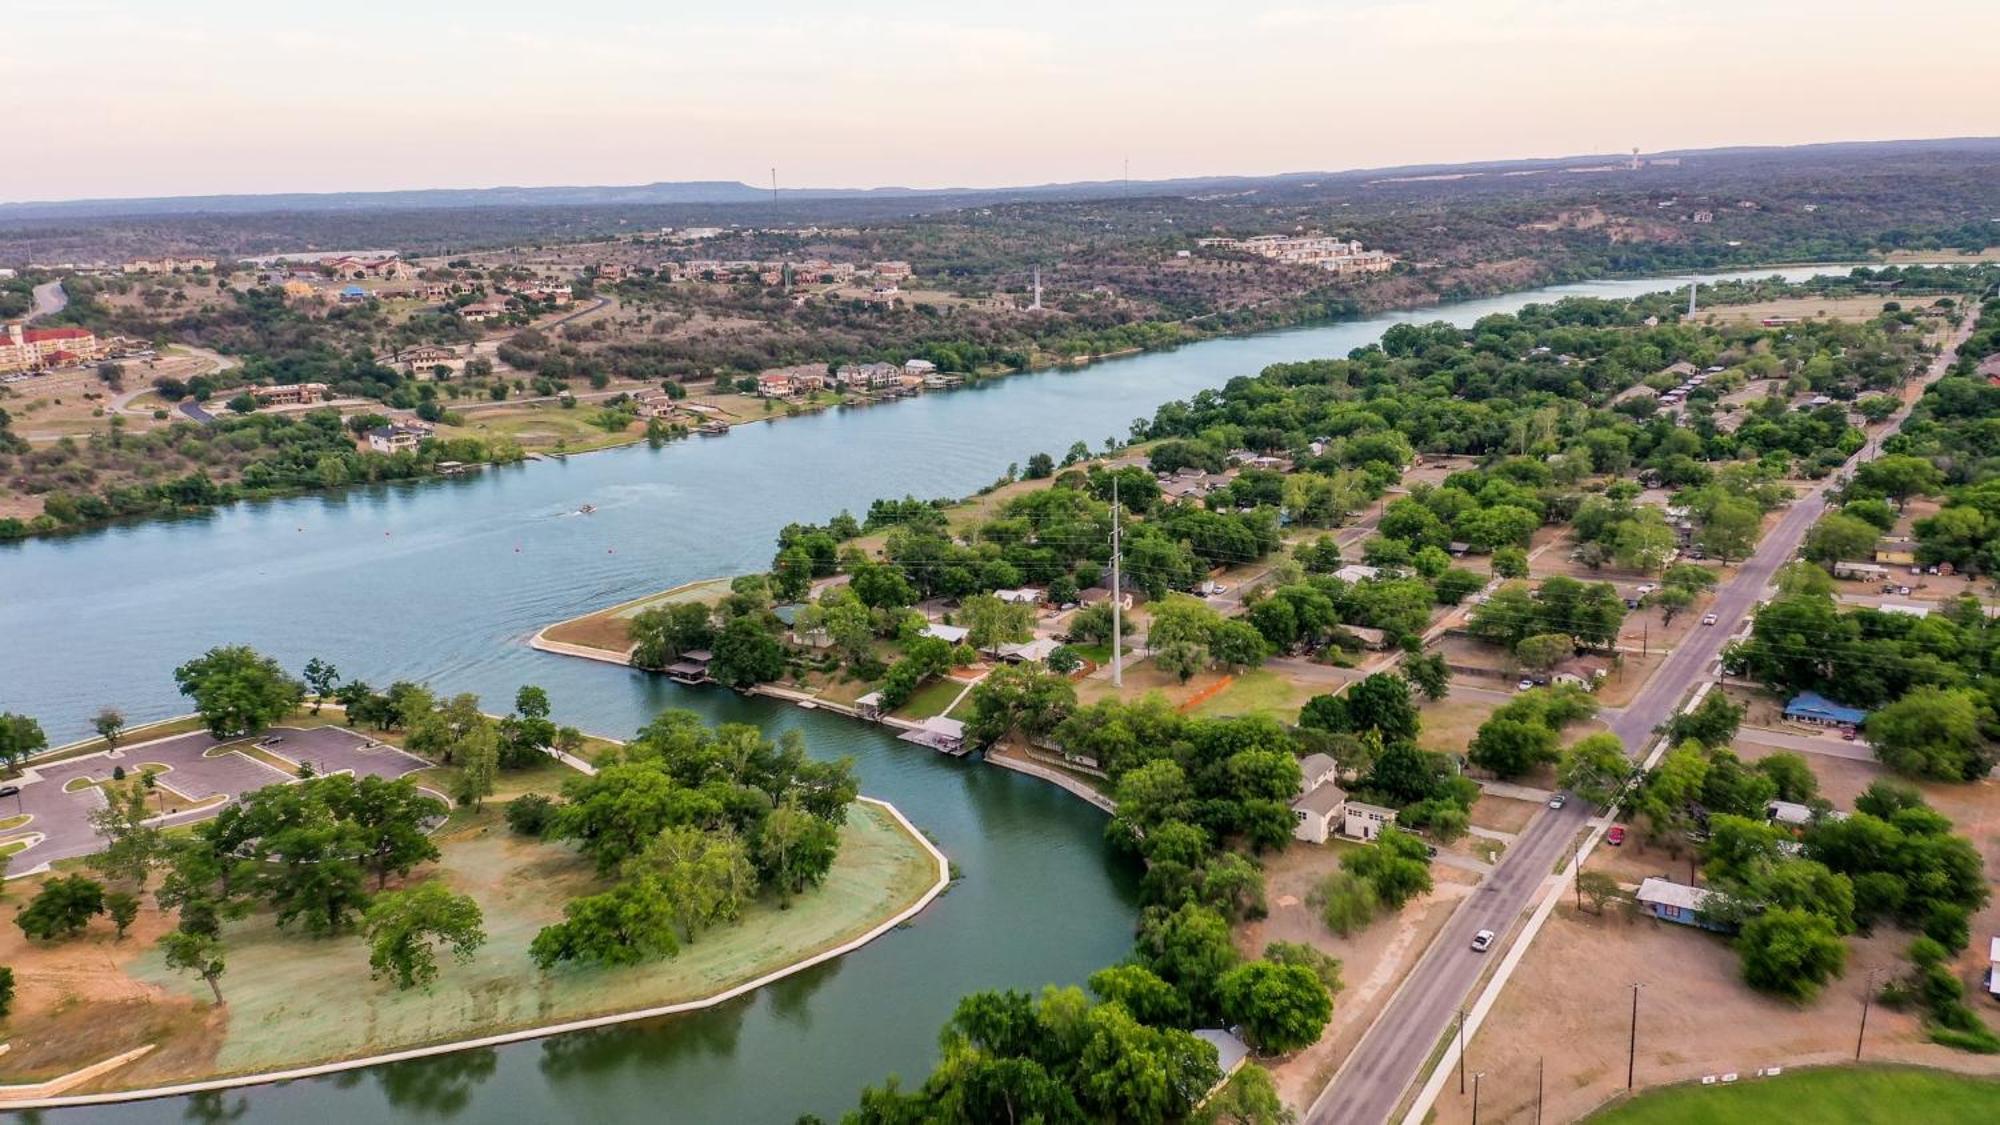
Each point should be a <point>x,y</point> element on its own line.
<point>445,580</point>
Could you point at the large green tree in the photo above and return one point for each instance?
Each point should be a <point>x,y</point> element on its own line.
<point>238,691</point>
<point>406,929</point>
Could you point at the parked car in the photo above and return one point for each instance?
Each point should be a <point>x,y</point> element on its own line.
<point>1615,837</point>
<point>1483,941</point>
<point>1524,685</point>
<point>1708,619</point>
<point>1849,733</point>
<point>1903,590</point>
<point>1557,800</point>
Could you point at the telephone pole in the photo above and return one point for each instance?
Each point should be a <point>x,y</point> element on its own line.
<point>1117,596</point>
<point>1862,1036</point>
<point>1461,1052</point>
<point>1632,1049</point>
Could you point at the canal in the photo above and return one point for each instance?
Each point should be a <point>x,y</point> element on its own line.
<point>445,580</point>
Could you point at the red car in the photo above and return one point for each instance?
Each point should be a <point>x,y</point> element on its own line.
<point>1616,836</point>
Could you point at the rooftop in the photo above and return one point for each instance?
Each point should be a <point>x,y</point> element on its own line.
<point>1666,892</point>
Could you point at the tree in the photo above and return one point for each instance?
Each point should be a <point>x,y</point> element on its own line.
<point>1510,562</point>
<point>1018,697</point>
<point>62,908</point>
<point>1381,702</point>
<point>1141,992</point>
<point>1791,774</point>
<point>1130,1072</point>
<point>1396,865</point>
<point>1730,529</point>
<point>1429,674</point>
<point>197,953</point>
<point>1594,769</point>
<point>1933,733</point>
<point>795,850</point>
<point>405,929</point>
<point>1190,949</point>
<point>746,653</point>
<point>1512,747</point>
<point>389,821</point>
<point>6,991</point>
<point>706,874</point>
<point>237,691</point>
<point>478,760</point>
<point>1790,952</point>
<point>1544,651</point>
<point>660,636</point>
<point>990,621</point>
<point>1837,537</point>
<point>1712,722</point>
<point>1249,1098</point>
<point>1898,477</point>
<point>109,724</point>
<point>1599,887</point>
<point>530,814</point>
<point>131,846</point>
<point>322,678</point>
<point>1281,1008</point>
<point>123,909</point>
<point>20,737</point>
<point>629,924</point>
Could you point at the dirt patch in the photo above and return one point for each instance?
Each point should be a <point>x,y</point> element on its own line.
<point>1503,814</point>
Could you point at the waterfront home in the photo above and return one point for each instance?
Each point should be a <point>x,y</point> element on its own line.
<point>776,384</point>
<point>945,735</point>
<point>397,437</point>
<point>1315,814</point>
<point>289,394</point>
<point>1679,903</point>
<point>869,706</point>
<point>919,367</point>
<point>1812,707</point>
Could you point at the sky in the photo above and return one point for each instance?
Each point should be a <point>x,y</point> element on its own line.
<point>150,98</point>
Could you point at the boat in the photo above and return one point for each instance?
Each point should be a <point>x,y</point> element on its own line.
<point>586,509</point>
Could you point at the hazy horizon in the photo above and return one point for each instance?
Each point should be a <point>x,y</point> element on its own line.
<point>224,97</point>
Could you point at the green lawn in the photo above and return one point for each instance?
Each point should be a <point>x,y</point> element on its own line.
<point>1825,1096</point>
<point>1258,692</point>
<point>931,699</point>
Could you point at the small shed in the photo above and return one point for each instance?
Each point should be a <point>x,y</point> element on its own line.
<point>869,706</point>
<point>1362,821</point>
<point>951,634</point>
<point>1789,813</point>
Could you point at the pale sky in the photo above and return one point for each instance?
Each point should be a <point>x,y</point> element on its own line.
<point>152,97</point>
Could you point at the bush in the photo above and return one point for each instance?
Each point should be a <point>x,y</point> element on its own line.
<point>529,814</point>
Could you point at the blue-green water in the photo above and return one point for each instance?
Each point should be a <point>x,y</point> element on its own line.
<point>445,581</point>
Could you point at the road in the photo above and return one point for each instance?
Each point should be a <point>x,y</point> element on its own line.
<point>1370,1084</point>
<point>49,300</point>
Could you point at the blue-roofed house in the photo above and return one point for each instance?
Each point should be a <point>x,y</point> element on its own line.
<point>1812,707</point>
<point>1677,902</point>
<point>353,294</point>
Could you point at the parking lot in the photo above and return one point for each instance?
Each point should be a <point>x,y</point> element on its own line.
<point>198,775</point>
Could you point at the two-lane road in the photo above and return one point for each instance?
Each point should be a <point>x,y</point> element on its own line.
<point>1370,1084</point>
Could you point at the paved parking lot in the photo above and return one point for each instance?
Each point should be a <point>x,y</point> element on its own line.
<point>62,820</point>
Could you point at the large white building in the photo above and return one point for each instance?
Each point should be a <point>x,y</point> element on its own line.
<point>1334,255</point>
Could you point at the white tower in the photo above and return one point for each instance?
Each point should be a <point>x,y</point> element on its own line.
<point>1635,160</point>
<point>1691,286</point>
<point>1036,304</point>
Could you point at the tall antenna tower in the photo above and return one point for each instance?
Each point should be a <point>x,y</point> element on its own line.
<point>1635,159</point>
<point>774,187</point>
<point>1036,304</point>
<point>1691,287</point>
<point>1117,596</point>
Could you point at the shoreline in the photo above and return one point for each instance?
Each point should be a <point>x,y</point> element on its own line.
<point>32,1096</point>
<point>1361,312</point>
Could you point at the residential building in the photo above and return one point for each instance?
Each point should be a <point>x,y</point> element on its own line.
<point>1791,814</point>
<point>353,295</point>
<point>1027,652</point>
<point>869,376</point>
<point>654,404</point>
<point>1812,707</point>
<point>1860,571</point>
<point>31,349</point>
<point>1581,671</point>
<point>890,271</point>
<point>170,265</point>
<point>1356,572</point>
<point>1094,594</point>
<point>1316,814</point>
<point>289,394</point>
<point>952,634</point>
<point>1679,903</point>
<point>426,355</point>
<point>1334,255</point>
<point>776,384</point>
<point>1026,595</point>
<point>1316,770</point>
<point>1374,640</point>
<point>487,309</point>
<point>919,367</point>
<point>397,437</point>
<point>1363,821</point>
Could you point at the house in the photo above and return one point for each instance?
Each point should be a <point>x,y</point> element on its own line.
<point>29,349</point>
<point>938,380</point>
<point>1316,770</point>
<point>1374,640</point>
<point>1355,572</point>
<point>1363,821</point>
<point>890,271</point>
<point>869,376</point>
<point>353,295</point>
<point>1095,594</point>
<point>1791,814</point>
<point>398,437</point>
<point>692,667</point>
<point>484,310</point>
<point>425,355</point>
<point>775,385</point>
<point>1316,813</point>
<point>1026,595</point>
<point>1860,571</point>
<point>1581,671</point>
<point>1230,1051</point>
<point>290,394</point>
<point>919,367</point>
<point>950,634</point>
<point>654,404</point>
<point>1811,707</point>
<point>1895,552</point>
<point>1027,652</point>
<point>1677,902</point>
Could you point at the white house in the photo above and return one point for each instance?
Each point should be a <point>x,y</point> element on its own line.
<point>1363,821</point>
<point>950,634</point>
<point>1317,812</point>
<point>1316,770</point>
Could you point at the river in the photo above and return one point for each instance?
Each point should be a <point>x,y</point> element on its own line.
<point>445,580</point>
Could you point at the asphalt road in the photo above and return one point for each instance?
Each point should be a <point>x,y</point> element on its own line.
<point>1370,1084</point>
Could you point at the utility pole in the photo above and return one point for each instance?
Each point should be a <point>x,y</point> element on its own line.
<point>1475,1096</point>
<point>1865,998</point>
<point>1632,1049</point>
<point>1461,1052</point>
<point>1538,1090</point>
<point>1117,597</point>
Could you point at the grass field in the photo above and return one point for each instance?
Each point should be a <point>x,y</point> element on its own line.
<point>293,1000</point>
<point>1259,692</point>
<point>1830,1096</point>
<point>931,699</point>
